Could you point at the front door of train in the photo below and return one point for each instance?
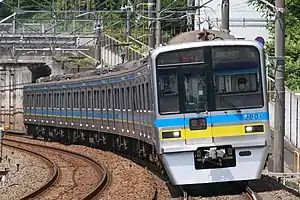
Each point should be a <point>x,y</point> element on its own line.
<point>197,127</point>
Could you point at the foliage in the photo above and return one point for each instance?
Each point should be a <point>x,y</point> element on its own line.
<point>292,46</point>
<point>114,23</point>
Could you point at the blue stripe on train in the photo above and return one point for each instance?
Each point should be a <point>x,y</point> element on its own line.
<point>219,119</point>
<point>96,114</point>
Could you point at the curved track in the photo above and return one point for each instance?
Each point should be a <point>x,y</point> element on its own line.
<point>248,194</point>
<point>66,164</point>
<point>53,177</point>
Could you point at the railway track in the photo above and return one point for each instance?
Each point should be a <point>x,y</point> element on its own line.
<point>178,192</point>
<point>73,175</point>
<point>53,176</point>
<point>248,194</point>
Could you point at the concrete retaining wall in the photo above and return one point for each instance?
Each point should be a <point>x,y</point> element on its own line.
<point>11,96</point>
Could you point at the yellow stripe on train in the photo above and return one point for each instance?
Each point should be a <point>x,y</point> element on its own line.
<point>217,131</point>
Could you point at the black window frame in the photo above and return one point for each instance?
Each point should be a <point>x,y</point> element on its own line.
<point>211,93</point>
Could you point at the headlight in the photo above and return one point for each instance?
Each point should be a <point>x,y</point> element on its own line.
<point>171,134</point>
<point>254,129</point>
<point>248,129</point>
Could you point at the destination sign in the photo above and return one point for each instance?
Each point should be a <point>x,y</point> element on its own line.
<point>181,56</point>
<point>245,53</point>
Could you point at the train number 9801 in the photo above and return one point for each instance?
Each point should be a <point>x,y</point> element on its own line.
<point>252,116</point>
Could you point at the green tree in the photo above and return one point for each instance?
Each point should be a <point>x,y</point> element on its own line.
<point>292,46</point>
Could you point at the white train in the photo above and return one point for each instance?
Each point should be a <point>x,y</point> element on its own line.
<point>199,108</point>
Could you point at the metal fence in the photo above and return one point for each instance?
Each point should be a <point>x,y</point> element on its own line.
<point>292,113</point>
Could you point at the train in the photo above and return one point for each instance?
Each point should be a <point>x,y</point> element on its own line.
<point>199,110</point>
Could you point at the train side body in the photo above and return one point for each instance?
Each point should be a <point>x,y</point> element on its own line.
<point>182,105</point>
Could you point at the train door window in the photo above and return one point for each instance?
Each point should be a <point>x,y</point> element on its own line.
<point>132,105</point>
<point>69,100</point>
<point>89,103</point>
<point>123,99</point>
<point>38,101</point>
<point>109,99</point>
<point>58,100</point>
<point>96,106</point>
<point>148,96</point>
<point>45,100</point>
<point>102,100</point>
<point>28,100</point>
<point>134,97</point>
<point>82,100</point>
<point>98,99</point>
<point>50,99</point>
<point>62,100</point>
<point>116,98</point>
<point>127,98</point>
<point>92,99</point>
<point>144,97</point>
<point>41,100</point>
<point>54,100</point>
<point>140,98</point>
<point>76,100</point>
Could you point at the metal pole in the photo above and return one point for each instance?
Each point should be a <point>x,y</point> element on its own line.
<point>128,24</point>
<point>98,43</point>
<point>1,129</point>
<point>197,16</point>
<point>279,87</point>
<point>151,36</point>
<point>158,23</point>
<point>189,15</point>
<point>225,15</point>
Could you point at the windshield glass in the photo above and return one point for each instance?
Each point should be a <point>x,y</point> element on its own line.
<point>168,94</point>
<point>236,76</point>
<point>195,91</point>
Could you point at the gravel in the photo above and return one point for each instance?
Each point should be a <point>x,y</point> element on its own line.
<point>32,174</point>
<point>129,180</point>
<point>270,189</point>
<point>77,177</point>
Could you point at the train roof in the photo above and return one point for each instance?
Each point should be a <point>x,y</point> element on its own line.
<point>91,75</point>
<point>173,47</point>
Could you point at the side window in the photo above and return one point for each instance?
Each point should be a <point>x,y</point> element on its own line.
<point>45,100</point>
<point>89,99</point>
<point>82,101</point>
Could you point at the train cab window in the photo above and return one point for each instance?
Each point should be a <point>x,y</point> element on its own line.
<point>237,77</point>
<point>168,93</point>
<point>195,91</point>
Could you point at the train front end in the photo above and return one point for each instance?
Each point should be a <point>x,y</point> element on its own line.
<point>212,120</point>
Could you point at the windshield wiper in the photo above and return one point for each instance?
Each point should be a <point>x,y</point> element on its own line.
<point>232,104</point>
